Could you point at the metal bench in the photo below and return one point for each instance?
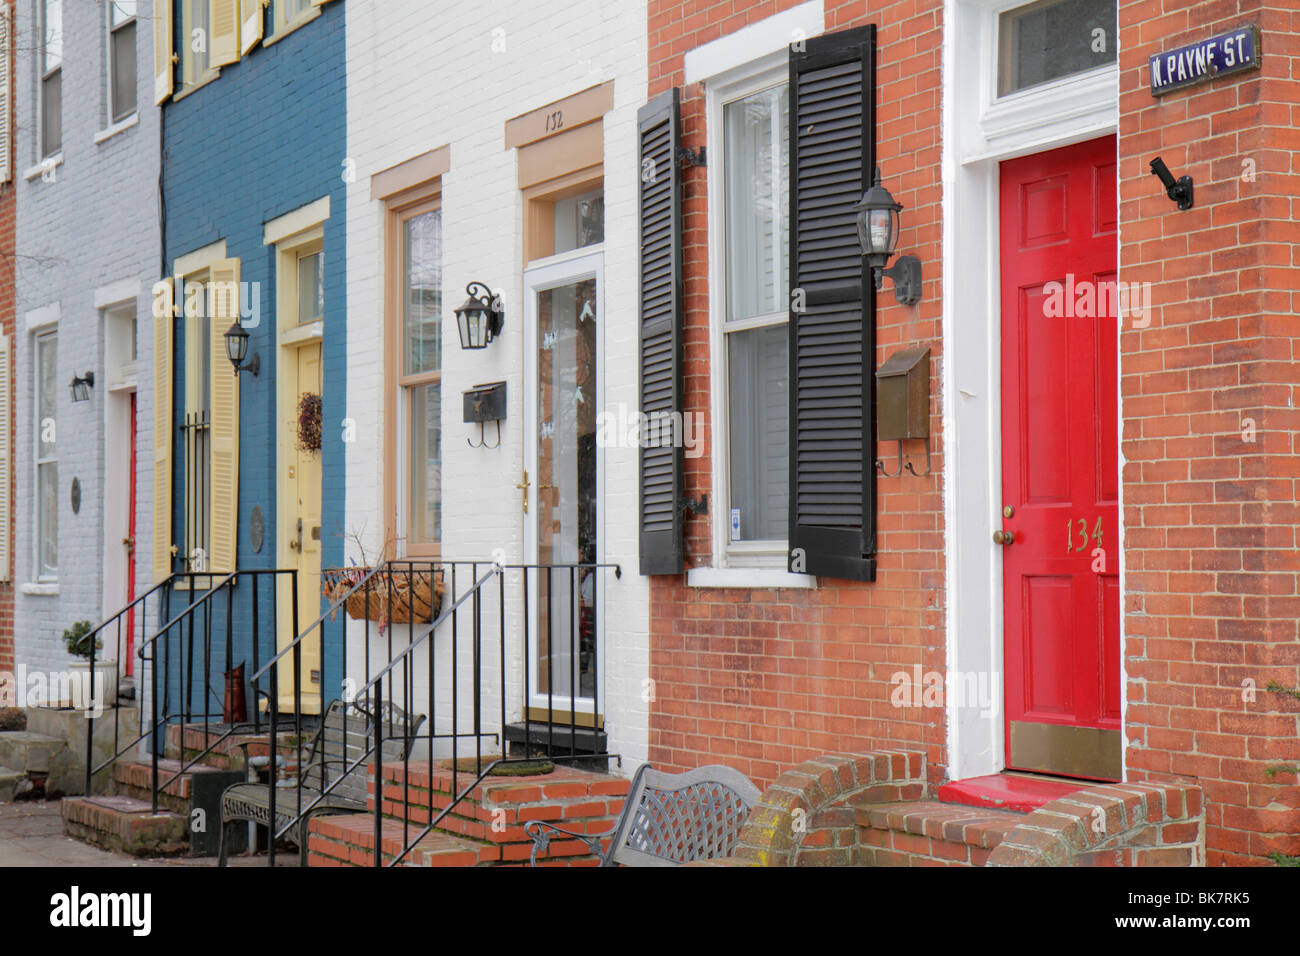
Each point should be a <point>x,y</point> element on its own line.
<point>668,819</point>
<point>346,734</point>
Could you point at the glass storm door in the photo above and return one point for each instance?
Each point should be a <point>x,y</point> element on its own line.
<point>562,398</point>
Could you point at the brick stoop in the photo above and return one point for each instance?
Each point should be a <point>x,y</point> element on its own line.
<point>134,778</point>
<point>928,833</point>
<point>191,740</point>
<point>124,825</point>
<point>486,827</point>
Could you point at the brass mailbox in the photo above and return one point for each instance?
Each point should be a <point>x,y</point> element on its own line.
<point>903,395</point>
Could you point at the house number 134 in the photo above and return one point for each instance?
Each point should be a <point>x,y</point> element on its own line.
<point>1077,529</point>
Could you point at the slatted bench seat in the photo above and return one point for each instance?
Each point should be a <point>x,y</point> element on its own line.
<point>345,736</point>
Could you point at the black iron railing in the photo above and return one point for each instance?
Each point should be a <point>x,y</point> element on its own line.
<point>188,659</point>
<point>464,661</point>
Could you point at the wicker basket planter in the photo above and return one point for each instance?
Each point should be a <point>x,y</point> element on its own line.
<point>393,596</point>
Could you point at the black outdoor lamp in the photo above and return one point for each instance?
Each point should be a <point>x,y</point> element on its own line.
<point>81,386</point>
<point>479,320</point>
<point>878,225</point>
<point>237,348</point>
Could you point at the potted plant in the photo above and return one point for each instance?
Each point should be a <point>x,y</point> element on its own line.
<point>79,644</point>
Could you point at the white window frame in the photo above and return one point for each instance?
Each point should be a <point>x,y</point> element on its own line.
<point>50,335</point>
<point>110,29</point>
<point>754,77</point>
<point>282,23</point>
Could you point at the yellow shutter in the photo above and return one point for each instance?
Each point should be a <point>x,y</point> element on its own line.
<point>162,434</point>
<point>6,458</point>
<point>250,12</point>
<point>163,56</point>
<point>224,300</point>
<point>223,42</point>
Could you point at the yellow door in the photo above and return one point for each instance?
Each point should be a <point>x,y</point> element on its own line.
<point>300,526</point>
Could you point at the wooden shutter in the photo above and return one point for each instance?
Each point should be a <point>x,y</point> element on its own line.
<point>163,56</point>
<point>661,331</point>
<point>223,39</point>
<point>832,308</point>
<point>6,95</point>
<point>6,459</point>
<point>223,504</point>
<point>250,30</point>
<point>163,420</point>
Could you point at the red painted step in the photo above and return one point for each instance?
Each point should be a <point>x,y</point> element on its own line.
<point>1020,793</point>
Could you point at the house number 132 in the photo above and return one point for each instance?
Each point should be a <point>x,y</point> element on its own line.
<point>1079,527</point>
<point>554,121</point>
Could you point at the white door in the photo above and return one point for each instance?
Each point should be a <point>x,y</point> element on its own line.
<point>563,388</point>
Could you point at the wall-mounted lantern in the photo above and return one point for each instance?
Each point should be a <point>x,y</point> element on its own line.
<point>81,386</point>
<point>237,348</point>
<point>878,226</point>
<point>480,319</point>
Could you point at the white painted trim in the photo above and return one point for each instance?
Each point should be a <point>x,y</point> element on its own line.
<point>978,133</point>
<point>747,578</point>
<point>43,317</point>
<point>771,35</point>
<point>41,590</point>
<point>48,164</point>
<point>299,220</point>
<point>117,293</point>
<point>756,76</point>
<point>198,260</point>
<point>121,126</point>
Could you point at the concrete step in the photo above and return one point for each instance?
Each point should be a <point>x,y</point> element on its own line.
<point>929,832</point>
<point>28,751</point>
<point>13,783</point>
<point>125,825</point>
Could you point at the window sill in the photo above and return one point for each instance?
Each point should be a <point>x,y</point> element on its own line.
<point>285,29</point>
<point>48,164</point>
<point>197,85</point>
<point>43,589</point>
<point>748,578</point>
<point>121,126</point>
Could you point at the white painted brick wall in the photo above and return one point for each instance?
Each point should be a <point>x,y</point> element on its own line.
<point>95,225</point>
<point>416,82</point>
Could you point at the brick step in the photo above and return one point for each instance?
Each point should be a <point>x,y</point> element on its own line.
<point>13,783</point>
<point>134,778</point>
<point>29,752</point>
<point>191,740</point>
<point>929,833</point>
<point>125,825</point>
<point>495,810</point>
<point>349,840</point>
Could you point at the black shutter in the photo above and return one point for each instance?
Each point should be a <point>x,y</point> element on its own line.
<point>832,308</point>
<point>661,332</point>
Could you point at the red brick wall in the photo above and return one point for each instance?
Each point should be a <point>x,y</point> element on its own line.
<point>1210,516</point>
<point>763,679</point>
<point>8,274</point>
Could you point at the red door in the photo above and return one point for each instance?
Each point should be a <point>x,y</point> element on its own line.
<point>130,549</point>
<point>1060,470</point>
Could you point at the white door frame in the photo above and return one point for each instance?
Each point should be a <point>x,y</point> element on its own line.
<point>550,273</point>
<point>979,131</point>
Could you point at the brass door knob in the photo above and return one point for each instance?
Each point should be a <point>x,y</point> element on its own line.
<point>1004,537</point>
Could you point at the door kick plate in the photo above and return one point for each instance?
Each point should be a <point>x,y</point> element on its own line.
<point>1074,751</point>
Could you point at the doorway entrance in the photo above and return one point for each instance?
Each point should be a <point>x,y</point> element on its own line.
<point>1060,469</point>
<point>562,397</point>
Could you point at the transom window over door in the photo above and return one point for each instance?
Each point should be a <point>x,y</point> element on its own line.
<point>755,322</point>
<point>1050,39</point>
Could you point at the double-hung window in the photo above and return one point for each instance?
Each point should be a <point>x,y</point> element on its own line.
<point>121,58</point>
<point>193,41</point>
<point>415,331</point>
<point>47,458</point>
<point>753,319</point>
<point>51,63</point>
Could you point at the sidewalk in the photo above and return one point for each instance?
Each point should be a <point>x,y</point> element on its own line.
<point>31,834</point>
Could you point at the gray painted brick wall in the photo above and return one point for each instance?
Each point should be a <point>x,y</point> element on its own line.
<point>94,225</point>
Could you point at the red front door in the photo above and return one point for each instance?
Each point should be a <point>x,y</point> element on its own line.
<point>1060,471</point>
<point>129,545</point>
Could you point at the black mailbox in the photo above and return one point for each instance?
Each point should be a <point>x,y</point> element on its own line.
<point>903,395</point>
<point>486,403</point>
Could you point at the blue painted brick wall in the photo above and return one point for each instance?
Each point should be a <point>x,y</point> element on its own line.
<point>264,138</point>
